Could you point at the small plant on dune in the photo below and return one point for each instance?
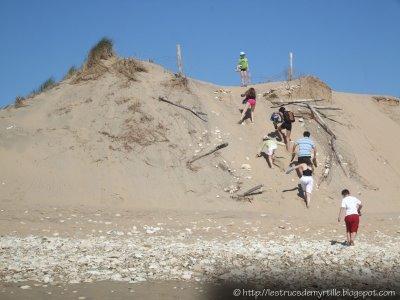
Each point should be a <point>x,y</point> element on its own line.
<point>102,50</point>
<point>45,86</point>
<point>71,72</point>
<point>48,84</point>
<point>129,67</point>
<point>94,68</point>
<point>19,102</point>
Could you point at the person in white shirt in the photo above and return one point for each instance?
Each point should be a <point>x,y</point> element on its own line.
<point>351,208</point>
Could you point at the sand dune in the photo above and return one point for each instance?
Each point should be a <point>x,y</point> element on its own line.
<point>100,156</point>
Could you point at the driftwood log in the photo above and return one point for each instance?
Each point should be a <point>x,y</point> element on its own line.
<point>320,121</point>
<point>196,113</point>
<point>250,191</point>
<point>220,146</point>
<point>295,101</point>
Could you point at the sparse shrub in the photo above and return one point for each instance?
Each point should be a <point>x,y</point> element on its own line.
<point>129,67</point>
<point>102,50</point>
<point>45,86</point>
<point>19,102</point>
<point>93,67</point>
<point>71,72</point>
<point>135,107</point>
<point>178,82</point>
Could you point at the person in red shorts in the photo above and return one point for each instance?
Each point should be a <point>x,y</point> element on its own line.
<point>351,207</point>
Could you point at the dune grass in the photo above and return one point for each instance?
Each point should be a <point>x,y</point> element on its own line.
<point>102,50</point>
<point>71,72</point>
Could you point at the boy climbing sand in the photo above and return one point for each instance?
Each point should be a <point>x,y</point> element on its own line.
<point>351,207</point>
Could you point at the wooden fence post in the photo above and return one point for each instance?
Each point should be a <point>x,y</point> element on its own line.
<point>179,59</point>
<point>290,72</point>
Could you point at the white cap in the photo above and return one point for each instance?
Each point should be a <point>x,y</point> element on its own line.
<point>242,53</point>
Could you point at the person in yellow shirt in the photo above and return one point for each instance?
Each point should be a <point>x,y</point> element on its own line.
<point>243,68</point>
<point>268,147</point>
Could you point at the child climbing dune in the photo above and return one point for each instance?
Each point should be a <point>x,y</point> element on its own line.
<point>267,150</point>
<point>306,180</point>
<point>250,105</point>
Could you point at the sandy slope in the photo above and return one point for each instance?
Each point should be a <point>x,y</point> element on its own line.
<point>77,146</point>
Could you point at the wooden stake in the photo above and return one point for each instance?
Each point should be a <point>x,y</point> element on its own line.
<point>179,59</point>
<point>290,73</point>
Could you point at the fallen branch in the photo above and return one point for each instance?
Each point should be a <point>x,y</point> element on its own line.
<point>295,101</point>
<point>223,145</point>
<point>197,114</point>
<point>318,106</point>
<point>250,191</point>
<point>320,121</point>
<point>338,158</point>
<point>329,118</point>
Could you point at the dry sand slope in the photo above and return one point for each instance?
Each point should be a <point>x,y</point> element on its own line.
<point>93,157</point>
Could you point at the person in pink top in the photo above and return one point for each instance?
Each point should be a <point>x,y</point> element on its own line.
<point>351,208</point>
<point>250,104</point>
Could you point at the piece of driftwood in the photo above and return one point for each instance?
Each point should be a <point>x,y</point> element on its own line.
<point>295,101</point>
<point>338,158</point>
<point>250,191</point>
<point>197,114</point>
<point>220,146</point>
<point>329,118</point>
<point>320,121</point>
<point>327,169</point>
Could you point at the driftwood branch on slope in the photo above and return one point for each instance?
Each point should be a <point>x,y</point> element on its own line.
<point>196,113</point>
<point>220,146</point>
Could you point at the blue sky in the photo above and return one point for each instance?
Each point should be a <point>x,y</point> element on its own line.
<point>352,45</point>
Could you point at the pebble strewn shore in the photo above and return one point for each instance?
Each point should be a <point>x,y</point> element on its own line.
<point>290,260</point>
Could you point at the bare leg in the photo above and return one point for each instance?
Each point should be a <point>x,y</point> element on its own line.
<point>246,107</point>
<point>269,161</point>
<point>252,114</point>
<point>247,79</point>
<point>281,134</point>
<point>308,199</point>
<point>352,238</point>
<point>348,238</point>
<point>242,78</point>
<point>288,144</point>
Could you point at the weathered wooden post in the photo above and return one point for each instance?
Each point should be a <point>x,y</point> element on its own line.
<point>179,59</point>
<point>290,72</point>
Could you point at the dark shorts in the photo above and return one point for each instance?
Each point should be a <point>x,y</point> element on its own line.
<point>352,222</point>
<point>304,159</point>
<point>286,125</point>
<point>243,69</point>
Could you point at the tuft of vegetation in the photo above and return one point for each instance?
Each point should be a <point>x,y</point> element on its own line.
<point>178,82</point>
<point>45,86</point>
<point>129,67</point>
<point>94,68</point>
<point>71,72</point>
<point>19,102</point>
<point>102,50</point>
